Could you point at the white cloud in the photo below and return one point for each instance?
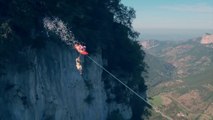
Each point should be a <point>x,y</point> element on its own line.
<point>196,8</point>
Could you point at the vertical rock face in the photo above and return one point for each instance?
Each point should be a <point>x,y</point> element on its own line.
<point>47,85</point>
<point>53,88</point>
<point>207,39</point>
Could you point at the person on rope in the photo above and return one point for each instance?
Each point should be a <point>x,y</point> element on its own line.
<point>80,48</point>
<point>83,48</point>
<point>78,64</point>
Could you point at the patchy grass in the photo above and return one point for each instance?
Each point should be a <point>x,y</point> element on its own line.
<point>202,78</point>
<point>156,101</point>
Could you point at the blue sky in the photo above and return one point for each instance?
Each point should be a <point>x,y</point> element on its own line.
<point>172,14</point>
<point>188,14</point>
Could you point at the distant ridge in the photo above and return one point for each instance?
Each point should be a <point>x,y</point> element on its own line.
<point>148,44</point>
<point>207,39</point>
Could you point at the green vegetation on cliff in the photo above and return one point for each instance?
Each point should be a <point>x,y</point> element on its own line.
<point>101,24</point>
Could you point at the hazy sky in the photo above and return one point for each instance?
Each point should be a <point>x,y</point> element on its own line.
<point>180,14</point>
<point>172,19</point>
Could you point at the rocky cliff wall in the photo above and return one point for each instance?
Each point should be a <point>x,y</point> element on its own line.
<point>53,89</point>
<point>207,39</point>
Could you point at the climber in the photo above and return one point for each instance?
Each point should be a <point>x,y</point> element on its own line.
<point>78,64</point>
<point>80,48</point>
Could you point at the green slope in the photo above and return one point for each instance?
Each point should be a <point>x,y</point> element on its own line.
<point>196,61</point>
<point>158,70</point>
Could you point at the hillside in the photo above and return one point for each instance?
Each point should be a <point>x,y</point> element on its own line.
<point>186,56</point>
<point>158,70</point>
<point>189,96</point>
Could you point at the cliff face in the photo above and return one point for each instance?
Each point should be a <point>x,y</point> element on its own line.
<point>38,82</point>
<point>207,39</point>
<point>53,89</point>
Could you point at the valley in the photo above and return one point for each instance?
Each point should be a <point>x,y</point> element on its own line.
<point>180,77</point>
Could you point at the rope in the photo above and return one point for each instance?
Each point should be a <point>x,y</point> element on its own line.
<point>156,110</point>
<point>60,29</point>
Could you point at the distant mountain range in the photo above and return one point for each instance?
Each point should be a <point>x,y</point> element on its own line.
<point>185,56</point>
<point>180,75</point>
